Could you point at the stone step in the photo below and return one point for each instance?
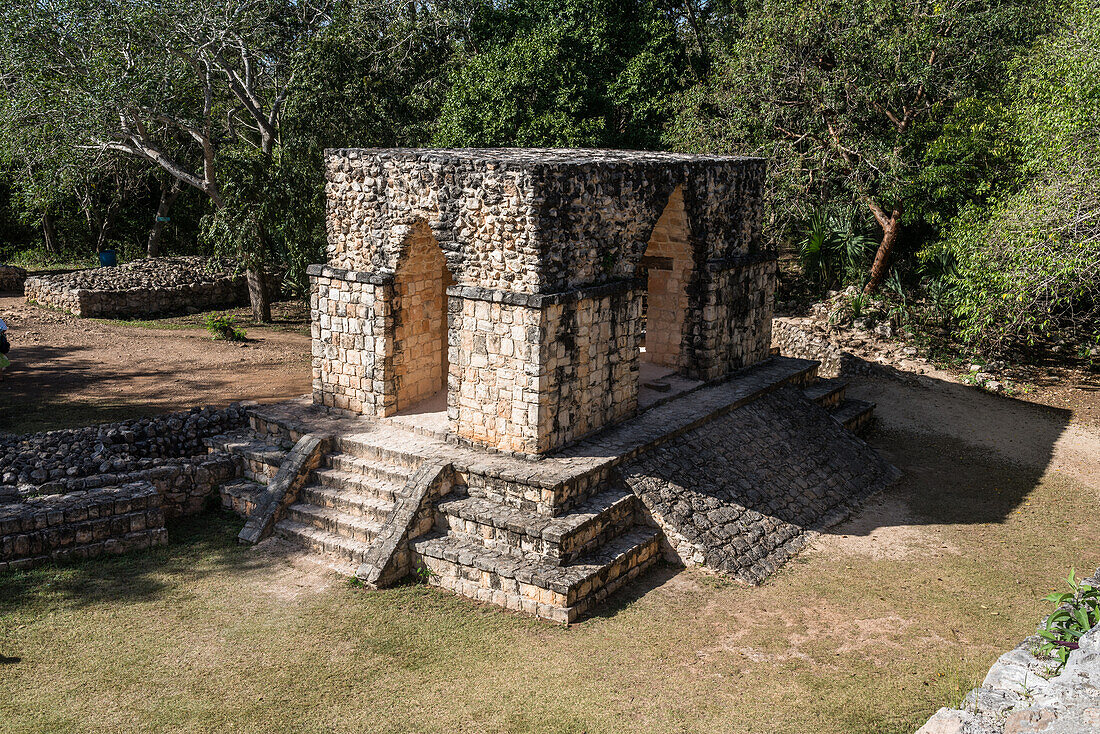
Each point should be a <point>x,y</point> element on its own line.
<point>345,553</point>
<point>359,484</point>
<point>352,503</point>
<point>827,392</point>
<point>355,527</point>
<point>261,457</point>
<point>240,495</point>
<point>394,447</point>
<point>855,415</point>
<point>558,593</point>
<point>559,540</point>
<point>372,468</point>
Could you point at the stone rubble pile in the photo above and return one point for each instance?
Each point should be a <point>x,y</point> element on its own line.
<point>55,461</point>
<point>1019,695</point>
<point>153,286</point>
<point>844,343</point>
<point>159,272</point>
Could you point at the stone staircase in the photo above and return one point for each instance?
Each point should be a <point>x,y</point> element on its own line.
<point>828,392</point>
<point>556,568</point>
<point>490,539</point>
<point>346,504</point>
<point>259,457</point>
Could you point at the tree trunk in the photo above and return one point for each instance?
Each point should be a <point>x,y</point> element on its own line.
<point>105,226</point>
<point>258,294</point>
<point>881,265</point>
<point>49,233</point>
<point>168,194</point>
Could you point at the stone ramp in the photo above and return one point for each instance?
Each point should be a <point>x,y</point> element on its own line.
<point>741,494</point>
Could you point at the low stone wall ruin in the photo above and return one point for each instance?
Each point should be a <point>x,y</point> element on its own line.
<point>150,287</point>
<point>108,488</point>
<point>81,524</point>
<point>12,278</point>
<point>806,338</point>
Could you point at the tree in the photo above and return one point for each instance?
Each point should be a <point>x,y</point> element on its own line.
<point>175,85</point>
<point>845,97</point>
<point>564,73</point>
<point>1028,258</point>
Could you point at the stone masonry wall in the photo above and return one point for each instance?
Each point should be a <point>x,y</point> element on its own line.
<point>80,525</point>
<point>375,202</point>
<point>349,314</point>
<point>534,220</point>
<point>735,328</point>
<point>495,390</point>
<point>152,287</point>
<point>589,364</point>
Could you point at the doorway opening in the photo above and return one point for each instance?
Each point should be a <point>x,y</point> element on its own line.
<point>420,334</point>
<point>667,266</point>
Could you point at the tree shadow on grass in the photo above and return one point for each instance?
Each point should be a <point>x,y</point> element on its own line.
<point>197,546</point>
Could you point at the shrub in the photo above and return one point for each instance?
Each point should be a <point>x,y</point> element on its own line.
<point>224,326</point>
<point>1078,611</point>
<point>832,250</point>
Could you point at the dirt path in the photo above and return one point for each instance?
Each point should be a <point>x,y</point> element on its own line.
<point>68,371</point>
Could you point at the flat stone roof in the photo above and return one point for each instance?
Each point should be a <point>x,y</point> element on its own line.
<point>538,156</point>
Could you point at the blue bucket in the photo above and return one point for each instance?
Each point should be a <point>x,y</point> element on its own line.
<point>108,258</point>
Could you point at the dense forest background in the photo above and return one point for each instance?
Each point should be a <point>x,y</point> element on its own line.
<point>940,154</point>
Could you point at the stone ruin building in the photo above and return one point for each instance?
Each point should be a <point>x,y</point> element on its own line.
<point>536,372</point>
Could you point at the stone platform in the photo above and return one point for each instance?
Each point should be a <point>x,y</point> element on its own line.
<point>731,475</point>
<point>142,288</point>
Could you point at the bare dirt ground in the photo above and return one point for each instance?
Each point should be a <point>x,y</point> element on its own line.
<point>68,371</point>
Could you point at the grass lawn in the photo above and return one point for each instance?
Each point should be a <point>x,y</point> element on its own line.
<point>881,623</point>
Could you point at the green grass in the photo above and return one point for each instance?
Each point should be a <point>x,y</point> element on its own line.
<point>205,635</point>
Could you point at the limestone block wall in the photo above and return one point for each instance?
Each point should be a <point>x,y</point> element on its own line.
<point>350,313</point>
<point>733,326</point>
<point>80,525</point>
<point>496,377</point>
<point>590,363</point>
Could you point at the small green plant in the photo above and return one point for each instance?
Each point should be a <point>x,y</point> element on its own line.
<point>423,574</point>
<point>224,326</point>
<point>1077,612</point>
